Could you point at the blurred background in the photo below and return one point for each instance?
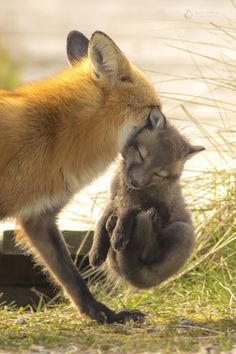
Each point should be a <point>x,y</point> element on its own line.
<point>186,48</point>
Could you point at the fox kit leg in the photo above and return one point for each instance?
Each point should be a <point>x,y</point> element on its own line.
<point>146,238</point>
<point>153,256</point>
<point>165,249</point>
<point>128,262</point>
<point>143,240</point>
<point>111,223</point>
<point>43,235</point>
<point>123,229</point>
<point>175,244</point>
<point>172,246</point>
<point>101,240</point>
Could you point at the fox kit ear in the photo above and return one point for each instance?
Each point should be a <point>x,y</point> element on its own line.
<point>193,150</point>
<point>157,119</point>
<point>76,46</point>
<point>106,58</point>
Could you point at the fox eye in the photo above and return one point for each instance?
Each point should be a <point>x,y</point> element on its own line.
<point>142,152</point>
<point>162,174</point>
<point>140,155</point>
<point>158,175</point>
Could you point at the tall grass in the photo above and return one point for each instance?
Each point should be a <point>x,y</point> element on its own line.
<point>9,70</point>
<point>212,194</point>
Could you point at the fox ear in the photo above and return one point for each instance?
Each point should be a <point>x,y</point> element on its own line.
<point>193,150</point>
<point>157,119</point>
<point>106,58</point>
<point>76,46</point>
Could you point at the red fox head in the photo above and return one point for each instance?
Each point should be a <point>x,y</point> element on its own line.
<point>127,94</point>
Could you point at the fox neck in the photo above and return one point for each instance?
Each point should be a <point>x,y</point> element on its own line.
<point>104,124</point>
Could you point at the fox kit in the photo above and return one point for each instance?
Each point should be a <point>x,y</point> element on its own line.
<point>58,135</point>
<point>146,221</point>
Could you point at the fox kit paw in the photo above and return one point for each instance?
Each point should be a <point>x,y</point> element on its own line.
<point>118,238</point>
<point>96,259</point>
<point>111,223</point>
<point>155,218</point>
<point>98,254</point>
<point>119,241</point>
<point>123,230</point>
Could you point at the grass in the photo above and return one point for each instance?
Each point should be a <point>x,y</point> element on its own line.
<point>186,316</point>
<point>9,70</point>
<point>193,311</point>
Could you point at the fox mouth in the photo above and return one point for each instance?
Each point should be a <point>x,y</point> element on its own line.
<point>133,187</point>
<point>138,188</point>
<point>130,185</point>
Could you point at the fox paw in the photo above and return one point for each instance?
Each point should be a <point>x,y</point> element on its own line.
<point>155,218</point>
<point>111,223</point>
<point>102,314</point>
<point>119,241</point>
<point>96,259</point>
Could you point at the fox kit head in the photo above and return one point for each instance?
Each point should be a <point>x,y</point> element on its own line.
<point>127,93</point>
<point>157,154</point>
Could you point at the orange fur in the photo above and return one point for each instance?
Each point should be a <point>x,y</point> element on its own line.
<point>59,134</point>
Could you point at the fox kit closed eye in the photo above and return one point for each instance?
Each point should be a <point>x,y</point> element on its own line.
<point>59,134</point>
<point>146,221</point>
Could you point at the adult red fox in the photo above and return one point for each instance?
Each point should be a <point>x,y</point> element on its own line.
<point>59,134</point>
